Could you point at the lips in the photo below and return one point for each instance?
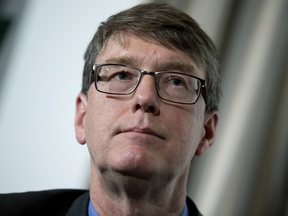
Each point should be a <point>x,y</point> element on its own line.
<point>148,131</point>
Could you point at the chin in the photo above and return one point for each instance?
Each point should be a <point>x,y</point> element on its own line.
<point>134,161</point>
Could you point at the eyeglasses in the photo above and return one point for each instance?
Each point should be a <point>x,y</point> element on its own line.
<point>170,86</point>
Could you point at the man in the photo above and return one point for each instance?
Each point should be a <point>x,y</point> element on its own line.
<point>148,104</point>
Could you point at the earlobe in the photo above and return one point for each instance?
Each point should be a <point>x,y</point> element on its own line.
<point>210,128</point>
<point>81,105</point>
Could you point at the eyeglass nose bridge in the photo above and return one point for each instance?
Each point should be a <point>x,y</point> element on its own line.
<point>147,72</point>
<point>142,72</point>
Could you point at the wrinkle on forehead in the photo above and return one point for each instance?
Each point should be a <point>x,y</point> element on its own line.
<point>123,40</point>
<point>142,59</point>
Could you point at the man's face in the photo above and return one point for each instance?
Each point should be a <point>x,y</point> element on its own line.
<point>141,135</point>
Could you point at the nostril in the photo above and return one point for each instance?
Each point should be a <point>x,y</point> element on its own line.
<point>138,107</point>
<point>151,108</point>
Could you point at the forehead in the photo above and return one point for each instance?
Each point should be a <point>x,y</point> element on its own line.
<point>146,54</point>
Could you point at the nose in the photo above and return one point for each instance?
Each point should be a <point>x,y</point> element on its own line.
<point>145,97</point>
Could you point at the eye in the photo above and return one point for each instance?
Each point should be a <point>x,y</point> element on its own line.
<point>121,76</point>
<point>176,81</point>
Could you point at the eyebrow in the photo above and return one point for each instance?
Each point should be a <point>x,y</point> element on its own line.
<point>166,66</point>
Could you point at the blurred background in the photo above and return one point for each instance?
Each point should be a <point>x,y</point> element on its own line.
<point>41,59</point>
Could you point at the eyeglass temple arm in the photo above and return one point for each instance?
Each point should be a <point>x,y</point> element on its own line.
<point>91,77</point>
<point>203,91</point>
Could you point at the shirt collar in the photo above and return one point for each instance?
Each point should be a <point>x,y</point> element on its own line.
<point>92,212</point>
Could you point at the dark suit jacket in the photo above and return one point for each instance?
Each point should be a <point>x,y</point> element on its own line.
<point>55,203</point>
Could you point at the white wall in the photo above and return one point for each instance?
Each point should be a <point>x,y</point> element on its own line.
<point>38,149</point>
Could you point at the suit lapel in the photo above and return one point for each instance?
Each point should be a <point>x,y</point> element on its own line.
<point>79,206</point>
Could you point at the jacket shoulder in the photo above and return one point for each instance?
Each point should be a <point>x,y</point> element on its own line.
<point>193,211</point>
<point>49,202</point>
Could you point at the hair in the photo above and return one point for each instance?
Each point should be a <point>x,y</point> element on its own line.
<point>169,26</point>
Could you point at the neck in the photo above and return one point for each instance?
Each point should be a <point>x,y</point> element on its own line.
<point>117,194</point>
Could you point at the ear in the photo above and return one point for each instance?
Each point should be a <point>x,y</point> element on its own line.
<point>210,126</point>
<point>81,106</point>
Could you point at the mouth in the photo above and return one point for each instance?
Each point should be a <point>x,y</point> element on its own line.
<point>147,131</point>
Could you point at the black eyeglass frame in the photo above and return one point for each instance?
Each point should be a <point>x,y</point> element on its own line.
<point>93,78</point>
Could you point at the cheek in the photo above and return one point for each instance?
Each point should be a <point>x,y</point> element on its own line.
<point>186,132</point>
<point>97,124</point>
<point>101,115</point>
